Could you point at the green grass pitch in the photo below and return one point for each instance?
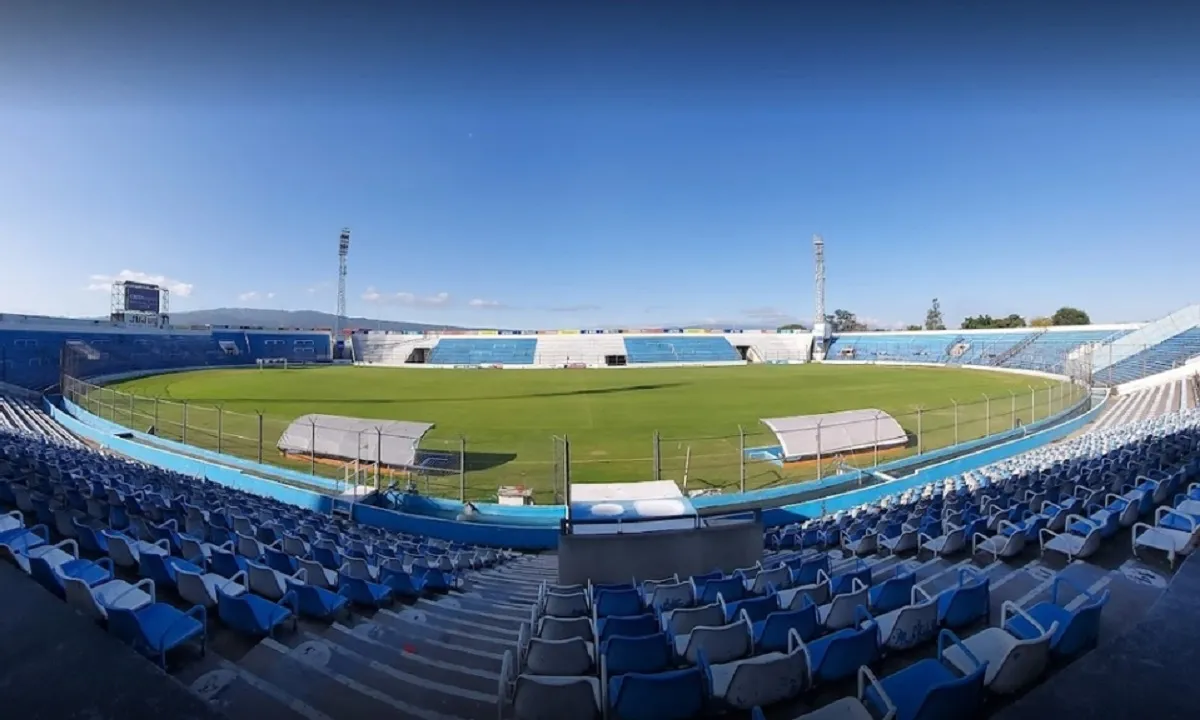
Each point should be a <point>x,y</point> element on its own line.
<point>507,419</point>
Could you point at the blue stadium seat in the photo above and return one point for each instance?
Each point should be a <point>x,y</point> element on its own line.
<point>679,349</point>
<point>484,351</point>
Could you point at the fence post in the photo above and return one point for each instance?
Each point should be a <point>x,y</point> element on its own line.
<point>876,438</point>
<point>260,437</point>
<point>220,428</point>
<point>955,420</point>
<point>462,468</point>
<point>656,454</point>
<point>131,410</point>
<point>1049,399</point>
<point>185,421</point>
<point>742,458</point>
<point>378,454</point>
<point>1012,421</point>
<point>987,411</point>
<point>567,473</point>
<point>312,449</point>
<point>920,441</point>
<point>818,449</point>
<point>156,415</point>
<point>1032,403</point>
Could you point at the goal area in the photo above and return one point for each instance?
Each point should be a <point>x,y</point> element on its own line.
<point>272,363</point>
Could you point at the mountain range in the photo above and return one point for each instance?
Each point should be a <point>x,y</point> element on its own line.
<point>256,317</point>
<point>259,317</point>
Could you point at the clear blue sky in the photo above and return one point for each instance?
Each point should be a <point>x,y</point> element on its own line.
<point>618,163</point>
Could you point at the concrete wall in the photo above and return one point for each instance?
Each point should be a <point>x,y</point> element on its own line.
<point>620,558</point>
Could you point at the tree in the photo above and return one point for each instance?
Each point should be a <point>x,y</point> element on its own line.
<point>1070,316</point>
<point>844,321</point>
<point>913,327</point>
<point>933,318</point>
<point>1041,322</point>
<point>985,322</point>
<point>793,326</point>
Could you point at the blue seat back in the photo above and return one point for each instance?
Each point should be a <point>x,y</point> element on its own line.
<point>965,603</point>
<point>279,561</point>
<point>45,576</point>
<point>317,602</point>
<point>958,698</point>
<point>807,570</point>
<point>730,588</point>
<point>758,608</point>
<point>243,614</point>
<point>224,563</point>
<point>893,593</point>
<point>848,651</point>
<point>626,601</point>
<point>1083,629</point>
<point>156,567</point>
<point>674,695</point>
<point>843,583</point>
<point>628,625</point>
<point>126,626</point>
<point>645,654</point>
<point>774,634</point>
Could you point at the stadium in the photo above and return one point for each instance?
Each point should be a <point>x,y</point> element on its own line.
<point>641,523</point>
<point>589,423</point>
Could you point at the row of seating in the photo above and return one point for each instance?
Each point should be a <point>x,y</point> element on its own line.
<point>769,649</point>
<point>723,655</point>
<point>1029,349</point>
<point>32,358</point>
<point>1166,355</point>
<point>258,563</point>
<point>21,416</point>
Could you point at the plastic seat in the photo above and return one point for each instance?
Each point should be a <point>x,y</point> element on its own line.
<point>718,644</point>
<point>772,633</point>
<point>541,697</point>
<point>158,628</point>
<point>95,601</point>
<point>892,593</point>
<point>364,592</point>
<point>839,655</point>
<point>1077,630</point>
<point>1012,662</point>
<point>929,689</point>
<point>253,615</point>
<point>671,695</point>
<point>201,588</point>
<point>763,679</point>
<point>966,602</point>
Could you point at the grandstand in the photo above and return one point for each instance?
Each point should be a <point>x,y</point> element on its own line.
<point>314,606</point>
<point>1043,350</point>
<point>305,614</point>
<point>33,349</point>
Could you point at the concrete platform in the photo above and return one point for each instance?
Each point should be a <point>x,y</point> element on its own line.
<point>56,664</point>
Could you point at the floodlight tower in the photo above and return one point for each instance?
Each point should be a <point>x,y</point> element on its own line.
<point>821,330</point>
<point>343,251</point>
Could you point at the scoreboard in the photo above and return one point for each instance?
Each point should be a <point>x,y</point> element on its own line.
<point>142,298</point>
<point>140,304</point>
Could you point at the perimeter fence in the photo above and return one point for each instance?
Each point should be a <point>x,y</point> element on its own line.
<point>460,467</point>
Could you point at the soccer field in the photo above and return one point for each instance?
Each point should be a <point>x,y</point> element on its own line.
<point>506,420</point>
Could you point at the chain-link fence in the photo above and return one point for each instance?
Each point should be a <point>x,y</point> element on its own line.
<point>743,458</point>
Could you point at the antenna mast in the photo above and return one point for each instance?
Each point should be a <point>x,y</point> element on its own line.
<point>343,251</point>
<point>821,329</point>
<point>819,280</point>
